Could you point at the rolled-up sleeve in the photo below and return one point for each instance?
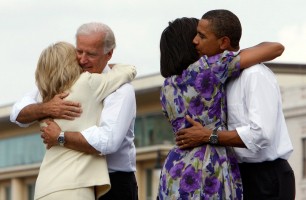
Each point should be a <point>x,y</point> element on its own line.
<point>29,98</point>
<point>261,113</point>
<point>115,121</point>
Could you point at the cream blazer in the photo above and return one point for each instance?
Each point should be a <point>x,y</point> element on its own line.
<point>63,168</point>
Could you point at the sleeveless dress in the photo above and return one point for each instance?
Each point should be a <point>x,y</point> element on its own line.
<point>207,171</point>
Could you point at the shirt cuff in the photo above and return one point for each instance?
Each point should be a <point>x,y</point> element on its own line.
<point>95,137</point>
<point>17,107</point>
<point>244,133</point>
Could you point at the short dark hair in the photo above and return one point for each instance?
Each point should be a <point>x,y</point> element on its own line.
<point>225,23</point>
<point>177,51</point>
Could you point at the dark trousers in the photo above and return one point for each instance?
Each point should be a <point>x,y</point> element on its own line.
<point>123,187</point>
<point>270,180</point>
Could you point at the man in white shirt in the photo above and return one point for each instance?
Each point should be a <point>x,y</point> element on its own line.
<point>256,120</point>
<point>114,137</point>
<point>255,111</point>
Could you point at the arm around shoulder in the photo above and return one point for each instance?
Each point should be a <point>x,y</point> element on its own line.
<point>56,108</point>
<point>23,111</point>
<point>32,113</point>
<point>129,69</point>
<point>262,52</point>
<point>106,83</point>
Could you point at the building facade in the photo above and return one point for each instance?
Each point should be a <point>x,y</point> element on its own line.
<point>21,149</point>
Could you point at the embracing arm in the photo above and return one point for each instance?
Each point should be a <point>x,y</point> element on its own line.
<point>262,52</point>
<point>106,83</point>
<point>73,140</point>
<point>27,110</point>
<point>32,112</point>
<point>56,108</point>
<point>108,137</point>
<point>197,135</point>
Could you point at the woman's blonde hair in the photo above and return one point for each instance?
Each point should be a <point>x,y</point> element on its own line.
<point>57,69</point>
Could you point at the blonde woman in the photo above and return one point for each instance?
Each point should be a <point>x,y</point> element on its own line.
<point>65,173</point>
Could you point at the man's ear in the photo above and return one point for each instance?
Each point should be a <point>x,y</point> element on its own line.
<point>225,43</point>
<point>110,54</point>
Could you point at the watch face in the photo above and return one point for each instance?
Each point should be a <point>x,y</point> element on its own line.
<point>61,140</point>
<point>213,139</point>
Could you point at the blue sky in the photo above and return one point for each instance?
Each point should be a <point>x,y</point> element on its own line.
<point>28,26</point>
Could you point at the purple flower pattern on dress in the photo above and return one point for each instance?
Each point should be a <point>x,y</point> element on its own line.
<point>200,153</point>
<point>205,84</point>
<point>163,180</point>
<point>190,180</point>
<point>176,170</point>
<point>196,106</point>
<point>212,185</point>
<point>234,167</point>
<point>177,123</point>
<point>172,157</point>
<point>215,109</point>
<point>205,172</point>
<point>180,104</point>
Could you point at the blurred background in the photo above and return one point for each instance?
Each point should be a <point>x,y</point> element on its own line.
<point>29,26</point>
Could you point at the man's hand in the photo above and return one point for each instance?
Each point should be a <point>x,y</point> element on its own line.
<point>58,108</point>
<point>192,137</point>
<point>50,133</point>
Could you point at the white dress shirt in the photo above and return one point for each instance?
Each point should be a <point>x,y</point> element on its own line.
<point>255,111</point>
<point>115,135</point>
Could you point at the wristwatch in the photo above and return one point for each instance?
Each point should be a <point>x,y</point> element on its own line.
<point>213,139</point>
<point>61,139</point>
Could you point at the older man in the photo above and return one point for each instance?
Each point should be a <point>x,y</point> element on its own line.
<point>114,137</point>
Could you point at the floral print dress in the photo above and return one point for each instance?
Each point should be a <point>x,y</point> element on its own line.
<point>208,171</point>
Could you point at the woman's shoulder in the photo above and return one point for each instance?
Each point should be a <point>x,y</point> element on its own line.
<point>83,78</point>
<point>226,56</point>
<point>87,75</point>
<point>207,62</point>
<point>84,75</point>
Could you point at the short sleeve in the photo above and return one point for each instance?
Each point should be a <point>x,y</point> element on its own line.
<point>224,65</point>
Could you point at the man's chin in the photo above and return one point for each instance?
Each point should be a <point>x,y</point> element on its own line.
<point>200,53</point>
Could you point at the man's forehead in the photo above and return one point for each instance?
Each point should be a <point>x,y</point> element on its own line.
<point>203,23</point>
<point>90,38</point>
<point>200,29</point>
<point>89,43</point>
<point>203,26</point>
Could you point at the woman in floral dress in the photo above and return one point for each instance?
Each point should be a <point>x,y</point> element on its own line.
<point>197,90</point>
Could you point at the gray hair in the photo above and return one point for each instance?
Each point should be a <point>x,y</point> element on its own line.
<point>109,42</point>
